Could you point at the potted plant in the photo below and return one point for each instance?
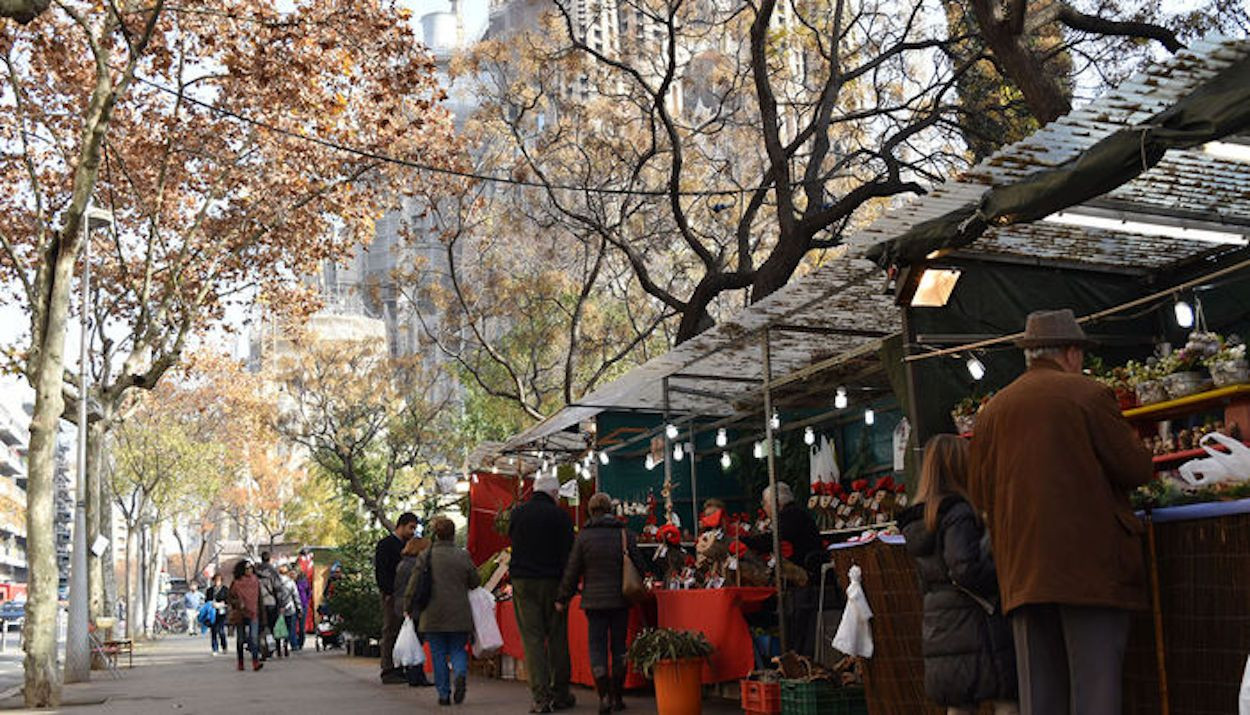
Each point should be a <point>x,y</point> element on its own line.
<point>1228,365</point>
<point>1185,369</point>
<point>674,660</point>
<point>1146,379</point>
<point>1118,379</point>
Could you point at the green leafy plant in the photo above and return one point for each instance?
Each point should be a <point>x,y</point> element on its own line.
<point>655,645</point>
<point>355,596</point>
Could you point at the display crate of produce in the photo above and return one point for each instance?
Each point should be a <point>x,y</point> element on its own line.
<point>760,697</point>
<point>800,697</point>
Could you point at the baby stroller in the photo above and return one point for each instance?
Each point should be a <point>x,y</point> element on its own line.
<point>327,632</point>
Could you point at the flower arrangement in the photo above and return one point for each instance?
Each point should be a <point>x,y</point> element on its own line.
<point>965,412</point>
<point>1228,365</point>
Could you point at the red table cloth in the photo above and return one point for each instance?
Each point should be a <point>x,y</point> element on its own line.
<point>718,614</point>
<point>579,645</point>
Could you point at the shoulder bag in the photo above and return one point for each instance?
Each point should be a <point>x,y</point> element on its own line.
<point>631,581</point>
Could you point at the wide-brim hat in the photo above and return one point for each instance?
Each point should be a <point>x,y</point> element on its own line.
<point>1053,329</point>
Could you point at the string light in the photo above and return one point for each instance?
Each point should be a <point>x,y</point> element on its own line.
<point>976,368</point>
<point>678,452</point>
<point>870,417</point>
<point>758,450</point>
<point>722,437</point>
<point>839,400</point>
<point>809,436</point>
<point>604,459</point>
<point>775,422</point>
<point>671,431</point>
<point>724,460</point>
<point>1184,314</point>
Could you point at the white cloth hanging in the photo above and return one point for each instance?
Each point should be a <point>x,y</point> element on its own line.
<point>831,471</point>
<point>854,636</point>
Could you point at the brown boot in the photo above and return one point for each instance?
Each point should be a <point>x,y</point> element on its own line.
<point>256,664</point>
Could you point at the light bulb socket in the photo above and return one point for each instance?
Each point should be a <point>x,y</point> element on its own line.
<point>809,436</point>
<point>671,431</point>
<point>722,437</point>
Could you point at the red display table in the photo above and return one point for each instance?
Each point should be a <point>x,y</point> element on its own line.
<point>579,646</point>
<point>717,613</point>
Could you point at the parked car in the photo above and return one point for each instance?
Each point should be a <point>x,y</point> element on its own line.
<point>12,612</point>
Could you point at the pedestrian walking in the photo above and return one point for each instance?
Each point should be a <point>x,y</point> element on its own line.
<point>447,620</point>
<point>386,557</point>
<point>968,650</point>
<point>270,599</point>
<point>597,561</point>
<point>405,602</point>
<point>542,537</point>
<point>1053,463</point>
<point>217,596</point>
<point>192,601</point>
<point>304,587</point>
<point>288,601</point>
<point>244,612</point>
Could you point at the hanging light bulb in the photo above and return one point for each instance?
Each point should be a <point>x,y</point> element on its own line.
<point>870,417</point>
<point>839,399</point>
<point>649,463</point>
<point>1184,314</point>
<point>603,458</point>
<point>775,422</point>
<point>809,436</point>
<point>722,437</point>
<point>724,460</point>
<point>678,452</point>
<point>671,431</point>
<point>758,450</point>
<point>976,368</point>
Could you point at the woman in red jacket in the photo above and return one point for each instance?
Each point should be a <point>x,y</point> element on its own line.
<point>245,610</point>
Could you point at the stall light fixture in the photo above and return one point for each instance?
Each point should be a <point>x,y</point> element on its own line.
<point>649,463</point>
<point>758,450</point>
<point>870,417</point>
<point>724,460</point>
<point>775,421</point>
<point>587,475</point>
<point>722,437</point>
<point>935,287</point>
<point>809,436</point>
<point>976,368</point>
<point>840,400</point>
<point>1147,228</point>
<point>678,452</point>
<point>462,487</point>
<point>604,458</point>
<point>671,431</point>
<point>1184,314</point>
<point>1228,151</point>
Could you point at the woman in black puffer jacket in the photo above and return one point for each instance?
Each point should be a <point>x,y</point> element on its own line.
<point>596,561</point>
<point>969,656</point>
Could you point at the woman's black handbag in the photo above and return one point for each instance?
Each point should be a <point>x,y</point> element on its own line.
<point>425,583</point>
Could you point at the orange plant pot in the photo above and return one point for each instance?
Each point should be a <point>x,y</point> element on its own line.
<point>679,687</point>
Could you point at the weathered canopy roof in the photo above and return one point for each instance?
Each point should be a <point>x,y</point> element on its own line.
<point>1076,163</point>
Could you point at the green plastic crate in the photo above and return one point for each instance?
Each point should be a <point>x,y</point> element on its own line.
<point>821,698</point>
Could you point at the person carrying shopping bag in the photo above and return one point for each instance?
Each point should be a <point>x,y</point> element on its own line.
<point>447,620</point>
<point>405,586</point>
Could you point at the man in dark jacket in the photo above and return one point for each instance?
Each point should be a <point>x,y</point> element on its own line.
<point>800,538</point>
<point>386,557</point>
<point>270,595</point>
<point>1052,465</point>
<point>542,536</point>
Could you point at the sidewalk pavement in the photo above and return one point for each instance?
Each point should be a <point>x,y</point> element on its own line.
<point>177,674</point>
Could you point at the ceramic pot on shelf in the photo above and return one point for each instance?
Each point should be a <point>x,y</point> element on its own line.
<point>1150,392</point>
<point>1181,384</point>
<point>1230,372</point>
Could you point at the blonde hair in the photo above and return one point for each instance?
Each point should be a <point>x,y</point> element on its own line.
<point>414,546</point>
<point>944,474</point>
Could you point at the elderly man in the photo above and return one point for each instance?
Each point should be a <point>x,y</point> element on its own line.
<point>1052,465</point>
<point>542,536</point>
<point>800,539</point>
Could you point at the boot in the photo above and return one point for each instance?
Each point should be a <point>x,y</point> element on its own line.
<point>458,694</point>
<point>286,649</point>
<point>618,688</point>
<point>240,662</point>
<point>256,664</point>
<point>604,687</point>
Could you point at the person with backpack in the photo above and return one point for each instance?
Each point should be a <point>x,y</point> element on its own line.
<point>270,600</point>
<point>288,606</point>
<point>406,601</point>
<point>968,650</point>
<point>445,575</point>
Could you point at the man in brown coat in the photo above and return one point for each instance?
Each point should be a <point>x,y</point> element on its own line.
<point>1053,462</point>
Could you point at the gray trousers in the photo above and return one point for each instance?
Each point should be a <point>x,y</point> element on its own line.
<point>1070,659</point>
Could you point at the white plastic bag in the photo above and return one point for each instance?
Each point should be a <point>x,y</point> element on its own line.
<point>1243,700</point>
<point>486,637</point>
<point>1218,467</point>
<point>854,636</point>
<point>408,651</point>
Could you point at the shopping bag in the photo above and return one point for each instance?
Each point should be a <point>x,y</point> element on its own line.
<point>487,640</point>
<point>280,630</point>
<point>408,651</point>
<point>854,636</point>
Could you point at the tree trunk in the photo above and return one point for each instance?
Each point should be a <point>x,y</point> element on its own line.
<point>43,684</point>
<point>132,575</point>
<point>108,566</point>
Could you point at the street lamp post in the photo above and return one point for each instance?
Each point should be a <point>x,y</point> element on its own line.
<point>77,650</point>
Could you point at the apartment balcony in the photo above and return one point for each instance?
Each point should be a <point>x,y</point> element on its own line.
<point>10,463</point>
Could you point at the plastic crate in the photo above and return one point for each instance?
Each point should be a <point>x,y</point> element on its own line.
<point>760,697</point>
<point>821,698</point>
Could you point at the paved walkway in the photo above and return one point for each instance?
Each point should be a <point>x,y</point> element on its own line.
<point>176,675</point>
